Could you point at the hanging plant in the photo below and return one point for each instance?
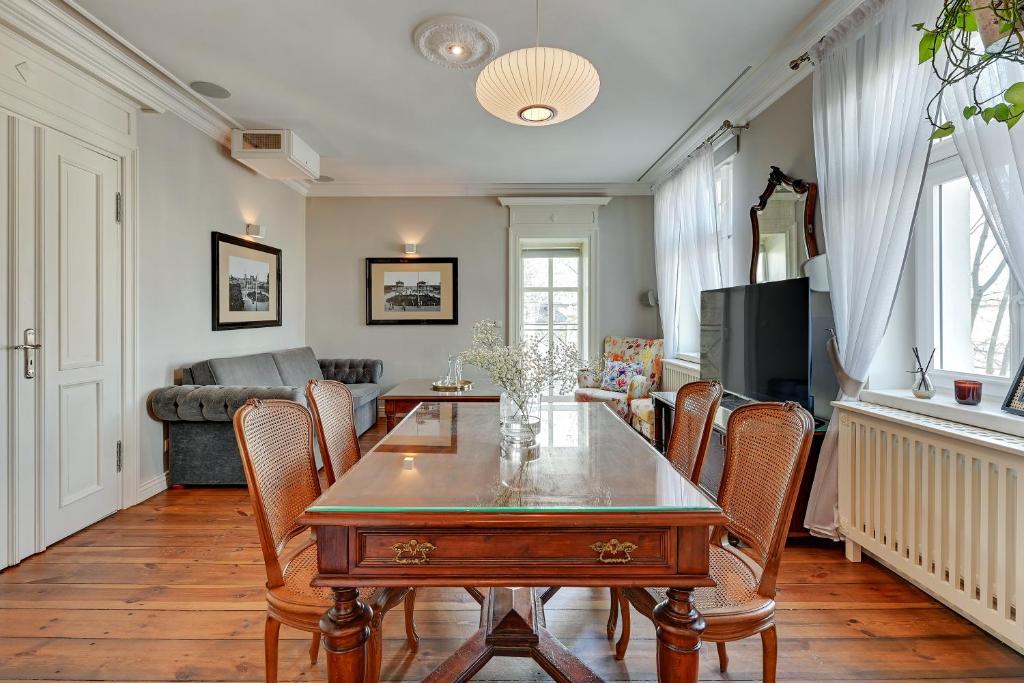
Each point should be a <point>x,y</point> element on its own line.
<point>968,37</point>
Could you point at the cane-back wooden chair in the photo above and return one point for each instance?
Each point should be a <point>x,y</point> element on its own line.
<point>695,409</point>
<point>766,452</point>
<point>275,438</point>
<point>334,419</point>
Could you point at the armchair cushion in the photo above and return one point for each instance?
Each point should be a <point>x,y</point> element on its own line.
<point>648,352</point>
<point>617,374</point>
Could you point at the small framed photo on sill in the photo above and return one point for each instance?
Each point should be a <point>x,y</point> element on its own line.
<point>1014,402</point>
<point>246,283</point>
<point>412,291</point>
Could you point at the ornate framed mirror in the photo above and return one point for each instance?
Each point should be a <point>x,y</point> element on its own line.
<point>782,222</point>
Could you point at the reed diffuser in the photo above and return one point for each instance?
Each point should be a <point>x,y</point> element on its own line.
<point>922,387</point>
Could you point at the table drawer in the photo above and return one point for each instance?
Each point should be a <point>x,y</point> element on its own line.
<point>407,549</point>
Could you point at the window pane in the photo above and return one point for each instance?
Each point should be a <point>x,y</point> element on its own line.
<point>566,272</point>
<point>535,308</point>
<point>535,272</point>
<point>566,309</point>
<point>974,284</point>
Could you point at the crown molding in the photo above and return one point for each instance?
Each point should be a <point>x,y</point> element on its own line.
<point>758,89</point>
<point>591,191</point>
<point>63,28</point>
<point>554,201</point>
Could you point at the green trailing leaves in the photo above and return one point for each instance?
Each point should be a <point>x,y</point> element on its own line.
<point>943,131</point>
<point>1015,94</point>
<point>929,44</point>
<point>970,111</point>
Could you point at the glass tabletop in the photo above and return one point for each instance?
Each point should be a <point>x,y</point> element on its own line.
<point>446,457</point>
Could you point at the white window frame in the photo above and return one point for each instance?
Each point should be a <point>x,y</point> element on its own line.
<point>528,245</point>
<point>945,167</point>
<point>560,221</point>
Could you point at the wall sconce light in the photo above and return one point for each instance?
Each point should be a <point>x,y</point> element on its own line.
<point>410,248</point>
<point>254,230</point>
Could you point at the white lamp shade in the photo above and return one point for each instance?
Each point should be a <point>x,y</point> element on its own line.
<point>537,86</point>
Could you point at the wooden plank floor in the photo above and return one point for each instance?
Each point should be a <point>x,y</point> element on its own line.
<point>171,590</point>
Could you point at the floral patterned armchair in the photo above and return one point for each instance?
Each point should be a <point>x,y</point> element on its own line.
<point>635,405</point>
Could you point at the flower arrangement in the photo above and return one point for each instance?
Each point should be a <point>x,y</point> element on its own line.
<point>968,38</point>
<point>524,370</point>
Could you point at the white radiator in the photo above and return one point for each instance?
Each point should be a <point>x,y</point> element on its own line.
<point>941,504</point>
<point>675,373</point>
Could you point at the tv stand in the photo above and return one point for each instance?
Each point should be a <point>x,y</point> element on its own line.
<point>714,462</point>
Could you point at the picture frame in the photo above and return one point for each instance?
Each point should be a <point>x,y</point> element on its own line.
<point>1014,401</point>
<point>412,291</point>
<point>246,283</point>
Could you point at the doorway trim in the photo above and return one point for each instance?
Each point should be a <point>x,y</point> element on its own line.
<point>114,133</point>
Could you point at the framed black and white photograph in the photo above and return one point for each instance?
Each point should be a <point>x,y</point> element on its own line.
<point>246,284</point>
<point>412,291</point>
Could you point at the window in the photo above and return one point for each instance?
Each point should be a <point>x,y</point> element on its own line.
<point>970,308</point>
<point>552,295</point>
<point>723,195</point>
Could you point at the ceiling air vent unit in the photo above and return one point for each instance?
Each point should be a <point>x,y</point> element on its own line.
<point>276,154</point>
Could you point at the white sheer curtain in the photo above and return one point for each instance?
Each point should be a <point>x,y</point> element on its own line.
<point>871,147</point>
<point>993,157</point>
<point>686,242</point>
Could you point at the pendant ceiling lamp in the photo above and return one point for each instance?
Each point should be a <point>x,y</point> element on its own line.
<point>537,86</point>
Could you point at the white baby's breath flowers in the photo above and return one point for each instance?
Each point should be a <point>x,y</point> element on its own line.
<point>524,370</point>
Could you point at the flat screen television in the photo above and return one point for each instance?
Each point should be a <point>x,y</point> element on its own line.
<point>756,340</point>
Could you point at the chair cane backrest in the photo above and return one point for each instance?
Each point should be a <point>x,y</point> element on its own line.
<point>333,412</point>
<point>696,405</point>
<point>275,439</point>
<point>766,451</point>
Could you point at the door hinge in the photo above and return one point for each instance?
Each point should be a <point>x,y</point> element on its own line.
<point>120,456</point>
<point>118,207</point>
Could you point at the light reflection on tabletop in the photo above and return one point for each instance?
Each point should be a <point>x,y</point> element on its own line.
<point>446,457</point>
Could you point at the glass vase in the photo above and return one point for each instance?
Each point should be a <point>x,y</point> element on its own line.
<point>922,387</point>
<point>520,419</point>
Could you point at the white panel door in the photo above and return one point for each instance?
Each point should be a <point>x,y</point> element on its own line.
<point>80,335</point>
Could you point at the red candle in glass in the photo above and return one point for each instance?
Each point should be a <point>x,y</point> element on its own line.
<point>967,391</point>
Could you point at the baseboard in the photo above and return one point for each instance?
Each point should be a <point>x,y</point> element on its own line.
<point>148,489</point>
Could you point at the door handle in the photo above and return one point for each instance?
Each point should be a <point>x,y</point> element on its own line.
<point>30,347</point>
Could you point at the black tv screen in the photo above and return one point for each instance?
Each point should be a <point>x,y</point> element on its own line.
<point>756,340</point>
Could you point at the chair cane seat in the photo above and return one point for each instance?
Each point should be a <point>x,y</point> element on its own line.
<point>298,574</point>
<point>736,592</point>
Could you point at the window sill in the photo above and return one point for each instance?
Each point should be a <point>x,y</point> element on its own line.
<point>986,415</point>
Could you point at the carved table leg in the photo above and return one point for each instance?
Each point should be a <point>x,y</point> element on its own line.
<point>679,625</point>
<point>346,628</point>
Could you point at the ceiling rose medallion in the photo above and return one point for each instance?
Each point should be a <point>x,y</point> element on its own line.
<point>537,86</point>
<point>455,42</point>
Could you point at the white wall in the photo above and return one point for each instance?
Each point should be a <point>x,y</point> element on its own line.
<point>188,188</point>
<point>342,232</point>
<point>781,135</point>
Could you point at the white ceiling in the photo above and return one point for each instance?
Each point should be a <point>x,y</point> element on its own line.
<point>346,77</point>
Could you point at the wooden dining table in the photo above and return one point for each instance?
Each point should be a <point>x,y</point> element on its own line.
<point>439,502</point>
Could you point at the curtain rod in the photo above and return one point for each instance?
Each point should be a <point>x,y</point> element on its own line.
<point>726,126</point>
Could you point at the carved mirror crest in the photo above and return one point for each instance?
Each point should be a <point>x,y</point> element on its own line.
<point>782,221</point>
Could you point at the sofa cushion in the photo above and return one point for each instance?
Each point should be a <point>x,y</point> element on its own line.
<point>256,370</point>
<point>198,373</point>
<point>297,366</point>
<point>363,393</point>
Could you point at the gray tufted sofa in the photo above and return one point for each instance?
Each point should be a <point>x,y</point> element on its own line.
<point>198,412</point>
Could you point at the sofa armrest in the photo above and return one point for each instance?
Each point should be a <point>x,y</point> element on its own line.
<point>352,370</point>
<point>211,403</point>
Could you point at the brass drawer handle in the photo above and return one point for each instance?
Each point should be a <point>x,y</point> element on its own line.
<point>614,551</point>
<point>413,552</point>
